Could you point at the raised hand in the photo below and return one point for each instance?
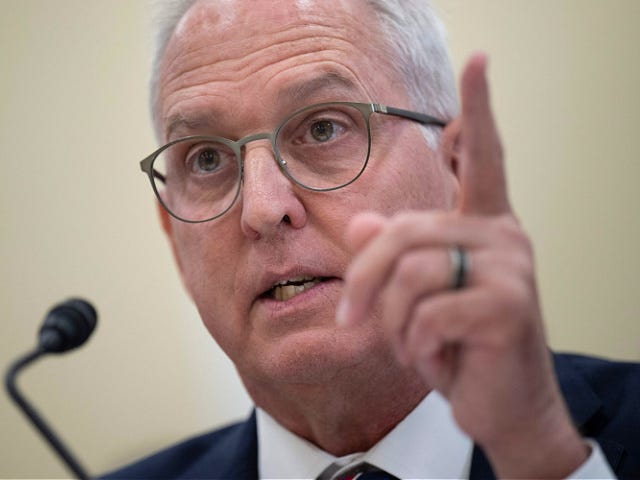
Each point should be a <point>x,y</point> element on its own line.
<point>483,345</point>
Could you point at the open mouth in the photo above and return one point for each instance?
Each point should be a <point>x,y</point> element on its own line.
<point>287,289</point>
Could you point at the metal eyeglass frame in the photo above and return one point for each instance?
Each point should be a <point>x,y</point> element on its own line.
<point>367,109</point>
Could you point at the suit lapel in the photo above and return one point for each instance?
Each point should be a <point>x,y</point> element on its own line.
<point>582,401</point>
<point>236,457</point>
<point>585,407</point>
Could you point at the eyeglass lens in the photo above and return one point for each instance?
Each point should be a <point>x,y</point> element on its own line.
<point>323,147</point>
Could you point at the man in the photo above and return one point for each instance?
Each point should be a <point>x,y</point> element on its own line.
<point>358,260</point>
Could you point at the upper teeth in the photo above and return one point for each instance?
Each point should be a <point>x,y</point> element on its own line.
<point>294,280</point>
<point>283,291</point>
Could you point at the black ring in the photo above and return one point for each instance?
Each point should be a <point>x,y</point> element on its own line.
<point>460,262</point>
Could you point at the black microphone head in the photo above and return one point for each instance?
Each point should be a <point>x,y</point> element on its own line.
<point>67,326</point>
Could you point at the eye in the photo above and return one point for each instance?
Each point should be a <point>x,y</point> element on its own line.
<point>204,160</point>
<point>325,125</point>
<point>322,131</point>
<point>208,160</point>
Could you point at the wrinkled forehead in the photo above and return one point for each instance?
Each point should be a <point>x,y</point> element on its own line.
<point>229,18</point>
<point>238,21</point>
<point>224,46</point>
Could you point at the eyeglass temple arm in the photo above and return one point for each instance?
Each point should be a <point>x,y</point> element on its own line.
<point>146,165</point>
<point>418,117</point>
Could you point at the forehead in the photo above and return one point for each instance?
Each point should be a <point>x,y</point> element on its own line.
<point>234,19</point>
<point>226,54</point>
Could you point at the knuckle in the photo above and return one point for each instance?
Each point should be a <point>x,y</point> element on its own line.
<point>516,309</point>
<point>512,314</point>
<point>402,222</point>
<point>441,221</point>
<point>405,221</point>
<point>515,297</point>
<point>408,271</point>
<point>422,331</point>
<point>509,228</point>
<point>513,235</point>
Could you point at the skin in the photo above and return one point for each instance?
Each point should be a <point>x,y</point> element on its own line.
<point>401,331</point>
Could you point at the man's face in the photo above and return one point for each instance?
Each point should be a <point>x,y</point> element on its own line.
<point>235,68</point>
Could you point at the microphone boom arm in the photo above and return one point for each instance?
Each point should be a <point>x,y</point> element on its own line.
<point>46,431</point>
<point>67,326</point>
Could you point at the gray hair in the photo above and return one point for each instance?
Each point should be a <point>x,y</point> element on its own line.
<point>414,40</point>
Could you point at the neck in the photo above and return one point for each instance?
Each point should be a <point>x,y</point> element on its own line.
<point>346,415</point>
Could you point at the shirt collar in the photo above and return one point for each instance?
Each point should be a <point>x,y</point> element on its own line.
<point>426,444</point>
<point>282,454</point>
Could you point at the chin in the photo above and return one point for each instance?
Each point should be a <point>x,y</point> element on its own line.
<point>314,356</point>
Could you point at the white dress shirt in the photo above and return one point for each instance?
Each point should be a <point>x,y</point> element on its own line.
<point>426,444</point>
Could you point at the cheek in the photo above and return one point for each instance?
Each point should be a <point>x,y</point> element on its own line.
<point>409,182</point>
<point>204,256</point>
<point>423,184</point>
<point>208,270</point>
<point>404,173</point>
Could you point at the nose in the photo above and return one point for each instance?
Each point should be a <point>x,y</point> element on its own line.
<point>269,199</point>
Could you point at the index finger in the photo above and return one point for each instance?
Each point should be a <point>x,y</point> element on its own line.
<point>482,177</point>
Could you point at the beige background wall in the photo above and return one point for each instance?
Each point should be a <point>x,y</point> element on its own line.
<point>77,217</point>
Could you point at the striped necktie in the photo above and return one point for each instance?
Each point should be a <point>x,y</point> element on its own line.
<point>358,471</point>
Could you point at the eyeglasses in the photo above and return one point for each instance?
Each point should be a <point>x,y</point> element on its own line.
<point>322,147</point>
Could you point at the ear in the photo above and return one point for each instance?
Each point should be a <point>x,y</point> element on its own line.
<point>165,220</point>
<point>450,145</point>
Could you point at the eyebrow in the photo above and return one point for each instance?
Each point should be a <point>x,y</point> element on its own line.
<point>191,123</point>
<point>293,94</point>
<point>330,80</point>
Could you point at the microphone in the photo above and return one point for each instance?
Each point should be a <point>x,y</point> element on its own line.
<point>67,326</point>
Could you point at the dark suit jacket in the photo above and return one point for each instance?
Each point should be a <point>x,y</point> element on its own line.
<point>603,397</point>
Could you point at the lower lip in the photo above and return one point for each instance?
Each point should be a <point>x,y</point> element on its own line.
<point>309,301</point>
